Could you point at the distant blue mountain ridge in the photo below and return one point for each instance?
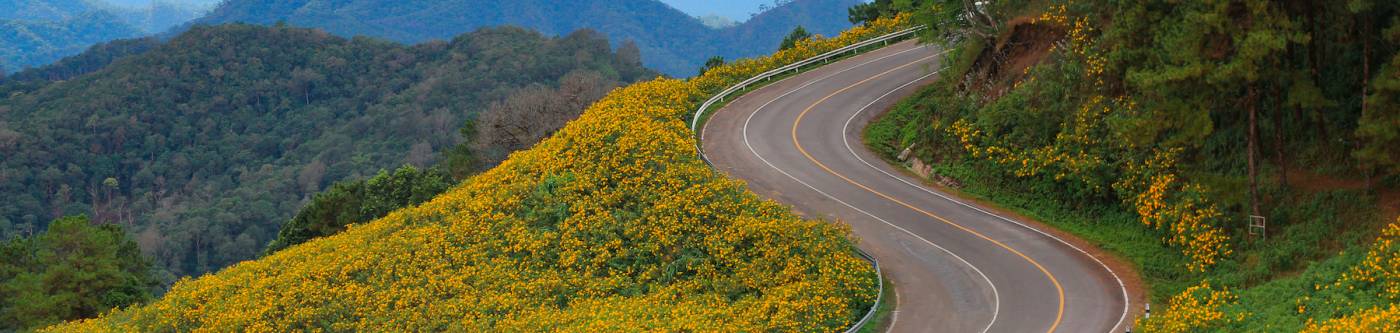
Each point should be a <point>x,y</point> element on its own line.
<point>34,33</point>
<point>671,41</point>
<point>39,32</point>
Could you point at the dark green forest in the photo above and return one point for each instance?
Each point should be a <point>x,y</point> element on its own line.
<point>357,201</point>
<point>515,123</point>
<point>1158,128</point>
<point>202,146</point>
<point>671,41</point>
<point>72,270</point>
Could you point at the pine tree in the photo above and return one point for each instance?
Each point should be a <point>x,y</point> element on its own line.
<point>71,271</point>
<point>797,34</point>
<point>1379,127</point>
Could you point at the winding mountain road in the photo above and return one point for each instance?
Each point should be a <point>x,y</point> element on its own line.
<point>955,267</point>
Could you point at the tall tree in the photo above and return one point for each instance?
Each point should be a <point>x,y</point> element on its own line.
<point>461,160</point>
<point>949,20</point>
<point>798,34</point>
<point>1216,59</point>
<point>1379,127</point>
<point>629,53</point>
<point>72,270</point>
<point>712,63</point>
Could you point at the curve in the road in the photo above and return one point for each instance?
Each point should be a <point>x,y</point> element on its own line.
<point>932,285</point>
<point>847,142</point>
<point>1059,289</point>
<point>996,306</point>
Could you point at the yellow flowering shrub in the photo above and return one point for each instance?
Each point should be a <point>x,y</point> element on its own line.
<point>1080,38</point>
<point>717,79</point>
<point>1372,285</point>
<point>1376,319</point>
<point>1381,268</point>
<point>1165,202</point>
<point>612,224</point>
<point>1197,309</point>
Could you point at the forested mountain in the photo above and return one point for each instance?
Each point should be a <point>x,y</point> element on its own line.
<point>670,40</point>
<point>1245,155</point>
<point>764,32</point>
<point>148,17</point>
<point>204,144</point>
<point>43,10</point>
<point>159,15</point>
<point>26,43</point>
<point>94,58</point>
<point>611,224</point>
<point>37,32</point>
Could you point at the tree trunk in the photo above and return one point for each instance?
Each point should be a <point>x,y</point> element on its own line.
<point>1315,61</point>
<point>1322,125</point>
<point>1250,152</point>
<point>1314,56</point>
<point>1366,83</point>
<point>1365,61</point>
<point>1370,180</point>
<point>1279,149</point>
<point>96,200</point>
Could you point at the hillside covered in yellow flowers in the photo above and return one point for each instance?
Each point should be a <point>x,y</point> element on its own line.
<point>611,224</point>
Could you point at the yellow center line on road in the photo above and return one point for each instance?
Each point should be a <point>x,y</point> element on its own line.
<point>1059,290</point>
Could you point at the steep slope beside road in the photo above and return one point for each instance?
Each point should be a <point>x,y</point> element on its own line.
<point>956,267</point>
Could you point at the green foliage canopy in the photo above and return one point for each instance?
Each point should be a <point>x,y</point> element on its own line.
<point>797,34</point>
<point>360,201</point>
<point>71,271</point>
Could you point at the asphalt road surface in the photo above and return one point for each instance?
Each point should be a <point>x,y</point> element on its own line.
<point>955,267</point>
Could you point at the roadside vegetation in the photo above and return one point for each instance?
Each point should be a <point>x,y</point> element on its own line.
<point>1156,130</point>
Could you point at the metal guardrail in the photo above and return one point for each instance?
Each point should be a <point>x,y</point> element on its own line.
<point>879,296</point>
<point>695,122</point>
<point>695,125</point>
<point>793,67</point>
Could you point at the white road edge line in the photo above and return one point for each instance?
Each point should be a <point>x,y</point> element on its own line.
<point>846,139</point>
<point>996,296</point>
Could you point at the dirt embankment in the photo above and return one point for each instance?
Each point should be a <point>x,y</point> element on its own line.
<point>1024,43</point>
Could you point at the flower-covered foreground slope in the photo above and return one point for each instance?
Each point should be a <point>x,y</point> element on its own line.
<point>612,224</point>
